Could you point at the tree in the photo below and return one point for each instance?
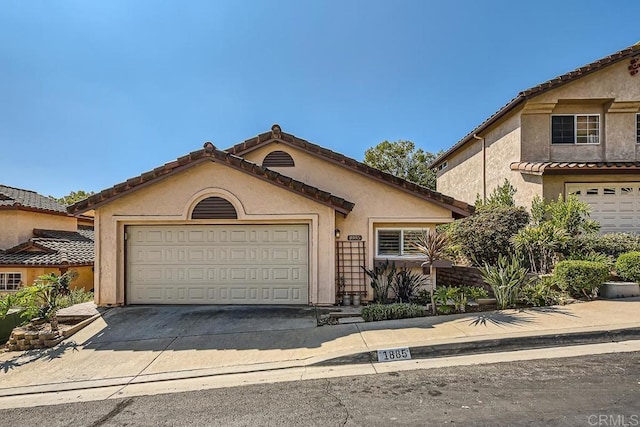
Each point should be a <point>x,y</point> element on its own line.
<point>73,197</point>
<point>402,159</point>
<point>502,195</point>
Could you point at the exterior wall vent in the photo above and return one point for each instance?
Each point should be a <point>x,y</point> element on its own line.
<point>214,208</point>
<point>278,159</point>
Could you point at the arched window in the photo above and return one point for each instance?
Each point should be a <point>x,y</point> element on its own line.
<point>214,208</point>
<point>278,159</point>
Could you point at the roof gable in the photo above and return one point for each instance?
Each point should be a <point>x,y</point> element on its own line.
<point>459,208</point>
<point>527,94</point>
<point>17,198</point>
<point>210,153</point>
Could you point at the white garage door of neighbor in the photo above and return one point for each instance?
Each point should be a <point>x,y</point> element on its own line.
<point>616,206</point>
<point>217,264</point>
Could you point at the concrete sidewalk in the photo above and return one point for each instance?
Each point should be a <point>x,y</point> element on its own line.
<point>84,362</point>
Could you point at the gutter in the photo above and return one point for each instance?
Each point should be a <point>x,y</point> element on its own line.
<point>484,166</point>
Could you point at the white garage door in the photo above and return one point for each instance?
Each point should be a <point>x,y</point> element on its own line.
<point>616,206</point>
<point>217,264</point>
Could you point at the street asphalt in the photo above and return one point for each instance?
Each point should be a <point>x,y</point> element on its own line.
<point>150,349</point>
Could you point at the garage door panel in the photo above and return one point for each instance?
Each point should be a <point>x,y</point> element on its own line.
<point>257,264</point>
<point>616,206</point>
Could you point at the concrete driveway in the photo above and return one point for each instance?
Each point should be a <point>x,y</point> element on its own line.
<point>158,322</point>
<point>150,343</point>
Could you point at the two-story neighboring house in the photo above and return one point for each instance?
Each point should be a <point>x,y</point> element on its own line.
<point>578,133</point>
<point>38,236</point>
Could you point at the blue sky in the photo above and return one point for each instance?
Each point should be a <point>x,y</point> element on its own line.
<point>95,92</point>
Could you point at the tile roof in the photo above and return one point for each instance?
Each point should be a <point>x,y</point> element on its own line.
<point>52,248</point>
<point>458,207</point>
<point>211,153</point>
<point>16,198</point>
<point>558,168</point>
<point>539,89</point>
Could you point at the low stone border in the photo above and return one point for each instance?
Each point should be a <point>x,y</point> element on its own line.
<point>32,337</point>
<point>23,339</point>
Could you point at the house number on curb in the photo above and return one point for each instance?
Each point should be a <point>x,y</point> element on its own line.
<point>392,354</point>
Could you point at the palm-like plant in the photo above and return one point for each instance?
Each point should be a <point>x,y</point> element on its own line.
<point>432,243</point>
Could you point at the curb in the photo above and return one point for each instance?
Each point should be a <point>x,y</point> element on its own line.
<point>495,345</point>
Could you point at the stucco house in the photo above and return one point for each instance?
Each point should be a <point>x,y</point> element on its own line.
<point>38,236</point>
<point>272,220</point>
<point>578,133</point>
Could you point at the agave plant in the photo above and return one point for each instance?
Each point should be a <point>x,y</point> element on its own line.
<point>506,279</point>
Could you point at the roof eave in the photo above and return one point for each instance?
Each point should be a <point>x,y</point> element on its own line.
<point>257,142</point>
<point>534,91</point>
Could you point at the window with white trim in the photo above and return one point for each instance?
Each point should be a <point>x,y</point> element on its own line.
<point>398,242</point>
<point>10,281</point>
<point>575,129</point>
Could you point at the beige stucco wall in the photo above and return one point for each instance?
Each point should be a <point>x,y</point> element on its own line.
<point>169,202</point>
<point>85,278</point>
<point>611,92</point>
<point>463,178</point>
<point>16,226</point>
<point>375,202</point>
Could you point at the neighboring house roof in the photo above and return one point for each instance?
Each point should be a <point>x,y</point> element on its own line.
<point>211,153</point>
<point>52,248</point>
<point>567,168</point>
<point>276,135</point>
<point>16,198</point>
<point>539,89</point>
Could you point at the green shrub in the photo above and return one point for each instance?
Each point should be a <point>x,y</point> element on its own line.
<point>500,196</point>
<point>406,284</point>
<point>506,278</point>
<point>628,266</point>
<point>538,245</point>
<point>581,278</point>
<point>75,296</point>
<point>593,256</point>
<point>450,296</point>
<point>613,244</point>
<point>423,297</point>
<point>48,294</point>
<point>542,293</point>
<point>475,292</point>
<point>483,237</point>
<point>570,215</point>
<point>374,312</point>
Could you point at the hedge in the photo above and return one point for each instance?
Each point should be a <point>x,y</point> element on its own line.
<point>581,278</point>
<point>374,312</point>
<point>628,266</point>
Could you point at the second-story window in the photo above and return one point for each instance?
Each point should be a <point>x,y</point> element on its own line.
<point>575,129</point>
